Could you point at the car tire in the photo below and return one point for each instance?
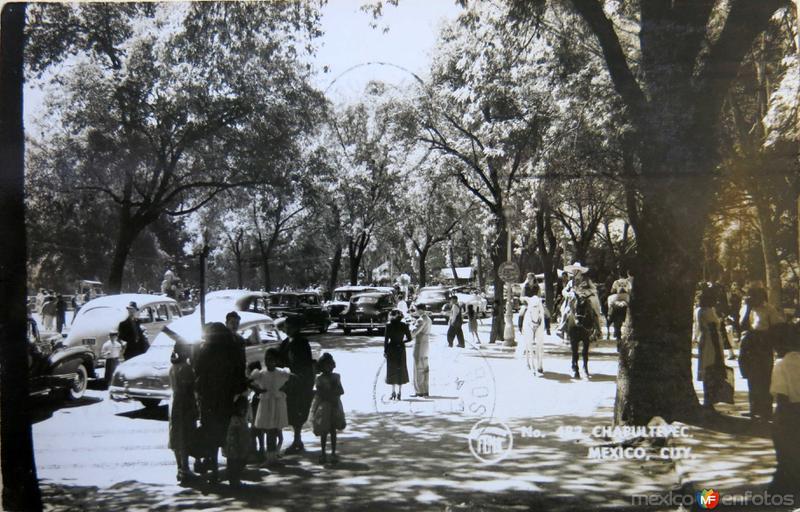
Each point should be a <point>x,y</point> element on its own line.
<point>346,330</point>
<point>150,403</point>
<point>78,388</point>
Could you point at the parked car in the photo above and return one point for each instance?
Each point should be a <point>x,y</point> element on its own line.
<point>369,310</point>
<point>306,305</point>
<point>471,295</point>
<point>146,377</point>
<point>239,300</point>
<point>341,299</point>
<point>54,369</point>
<point>100,316</point>
<point>436,300</point>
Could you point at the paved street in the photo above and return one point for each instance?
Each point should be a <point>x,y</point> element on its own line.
<point>415,454</point>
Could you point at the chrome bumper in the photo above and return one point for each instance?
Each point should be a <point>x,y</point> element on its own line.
<point>122,393</point>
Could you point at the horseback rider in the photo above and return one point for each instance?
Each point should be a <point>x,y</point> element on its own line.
<point>582,314</point>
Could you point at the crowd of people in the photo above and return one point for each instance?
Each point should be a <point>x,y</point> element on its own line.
<point>220,403</point>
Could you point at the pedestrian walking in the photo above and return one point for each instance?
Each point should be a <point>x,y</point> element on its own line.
<point>617,304</point>
<point>454,323</point>
<point>131,332</point>
<point>785,387</point>
<point>327,411</point>
<point>238,440</point>
<point>61,313</point>
<point>710,363</point>
<point>472,317</point>
<point>421,334</point>
<point>219,378</point>
<point>296,355</point>
<point>582,315</point>
<point>111,350</point>
<point>272,415</point>
<point>396,335</point>
<point>182,410</point>
<point>758,318</point>
<point>533,332</point>
<point>402,305</point>
<point>49,312</point>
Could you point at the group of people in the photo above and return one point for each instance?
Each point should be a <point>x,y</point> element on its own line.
<point>220,402</point>
<point>52,309</point>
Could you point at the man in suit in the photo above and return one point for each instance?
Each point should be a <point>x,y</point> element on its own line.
<point>132,333</point>
<point>421,334</point>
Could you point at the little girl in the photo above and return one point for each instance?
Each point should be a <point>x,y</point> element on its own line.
<point>327,410</point>
<point>272,415</point>
<point>473,324</point>
<point>260,436</point>
<point>182,409</point>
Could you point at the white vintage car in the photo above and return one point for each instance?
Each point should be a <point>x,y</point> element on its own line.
<point>146,377</point>
<point>95,319</point>
<point>238,300</point>
<point>471,295</point>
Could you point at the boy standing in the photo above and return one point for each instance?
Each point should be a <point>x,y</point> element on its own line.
<point>111,350</point>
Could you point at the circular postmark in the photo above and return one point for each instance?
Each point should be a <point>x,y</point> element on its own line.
<point>490,441</point>
<point>460,381</point>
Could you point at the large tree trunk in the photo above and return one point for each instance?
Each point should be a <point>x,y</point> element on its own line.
<point>498,257</point>
<point>548,255</point>
<point>767,229</point>
<point>336,263</point>
<point>422,256</point>
<point>129,230</point>
<point>655,377</point>
<point>355,252</point>
<point>20,485</point>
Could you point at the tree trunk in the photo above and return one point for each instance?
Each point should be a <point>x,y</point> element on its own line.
<point>479,270</point>
<point>336,263</point>
<point>422,256</point>
<point>129,230</point>
<point>655,377</point>
<point>451,258</point>
<point>549,257</point>
<point>267,273</point>
<point>767,229</point>
<point>355,252</point>
<point>20,484</point>
<point>498,257</point>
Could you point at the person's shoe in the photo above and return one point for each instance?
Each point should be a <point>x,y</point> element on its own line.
<point>399,396</point>
<point>586,371</point>
<point>576,374</point>
<point>394,396</point>
<point>541,372</point>
<point>292,450</point>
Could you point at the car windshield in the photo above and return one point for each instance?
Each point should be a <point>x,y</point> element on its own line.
<point>432,295</point>
<point>367,299</point>
<point>344,295</point>
<point>283,300</point>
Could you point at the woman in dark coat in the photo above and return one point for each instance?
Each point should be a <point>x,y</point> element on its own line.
<point>296,354</point>
<point>396,335</point>
<point>219,377</point>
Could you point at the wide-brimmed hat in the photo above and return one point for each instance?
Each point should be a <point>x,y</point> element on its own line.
<point>576,267</point>
<point>132,305</point>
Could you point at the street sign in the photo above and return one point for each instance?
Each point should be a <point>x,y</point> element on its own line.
<point>508,272</point>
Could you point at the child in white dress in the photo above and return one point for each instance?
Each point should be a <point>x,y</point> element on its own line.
<point>271,415</point>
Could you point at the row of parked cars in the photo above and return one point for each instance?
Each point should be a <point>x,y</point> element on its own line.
<point>67,362</point>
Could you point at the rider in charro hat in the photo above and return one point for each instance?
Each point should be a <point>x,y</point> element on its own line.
<point>582,308</point>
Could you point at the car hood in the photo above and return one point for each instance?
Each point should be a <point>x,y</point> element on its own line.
<point>153,363</point>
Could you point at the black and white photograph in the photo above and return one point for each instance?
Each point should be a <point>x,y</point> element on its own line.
<point>417,255</point>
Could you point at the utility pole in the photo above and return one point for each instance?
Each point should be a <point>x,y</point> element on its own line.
<point>203,257</point>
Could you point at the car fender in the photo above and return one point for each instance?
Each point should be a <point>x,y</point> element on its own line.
<point>67,360</point>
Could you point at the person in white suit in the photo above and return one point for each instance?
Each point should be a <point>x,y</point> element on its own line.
<point>533,332</point>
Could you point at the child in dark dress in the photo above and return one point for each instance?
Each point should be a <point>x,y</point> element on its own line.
<point>182,409</point>
<point>327,410</point>
<point>238,441</point>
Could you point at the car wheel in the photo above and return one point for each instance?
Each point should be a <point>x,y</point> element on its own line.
<point>80,384</point>
<point>150,403</point>
<point>346,330</point>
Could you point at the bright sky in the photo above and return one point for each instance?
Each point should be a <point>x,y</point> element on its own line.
<point>350,41</point>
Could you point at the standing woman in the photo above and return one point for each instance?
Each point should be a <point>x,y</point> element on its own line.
<point>755,353</point>
<point>710,363</point>
<point>396,335</point>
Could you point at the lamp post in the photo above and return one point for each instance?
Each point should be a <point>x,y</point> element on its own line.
<point>508,333</point>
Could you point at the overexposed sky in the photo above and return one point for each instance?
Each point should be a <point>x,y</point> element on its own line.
<point>351,48</point>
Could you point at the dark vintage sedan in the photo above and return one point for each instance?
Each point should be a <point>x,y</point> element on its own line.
<point>306,305</point>
<point>368,311</point>
<point>436,300</point>
<point>54,369</point>
<point>341,299</point>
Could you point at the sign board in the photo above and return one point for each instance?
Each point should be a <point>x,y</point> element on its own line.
<point>508,272</point>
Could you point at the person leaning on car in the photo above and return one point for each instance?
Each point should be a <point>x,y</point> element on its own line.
<point>132,334</point>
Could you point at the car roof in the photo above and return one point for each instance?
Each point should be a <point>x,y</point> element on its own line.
<point>234,294</point>
<point>293,293</point>
<point>373,294</point>
<point>354,288</point>
<point>188,327</point>
<point>434,289</point>
<point>123,299</point>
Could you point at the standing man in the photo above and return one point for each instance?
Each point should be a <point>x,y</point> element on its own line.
<point>454,323</point>
<point>296,354</point>
<point>421,334</point>
<point>232,321</point>
<point>61,312</point>
<point>131,333</point>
